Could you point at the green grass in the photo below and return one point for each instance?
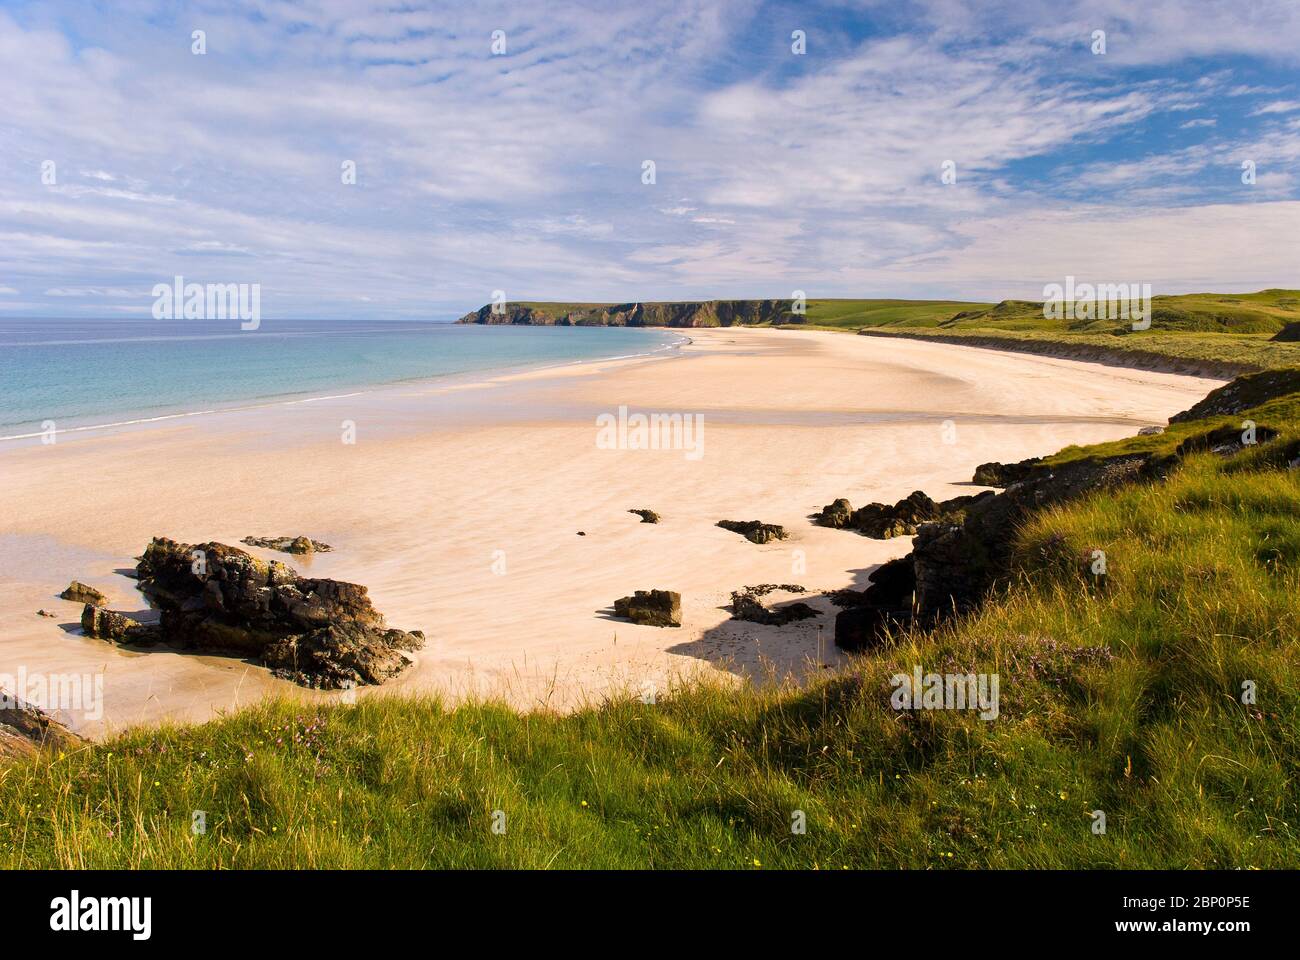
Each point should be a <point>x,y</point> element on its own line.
<point>1122,697</point>
<point>1212,354</point>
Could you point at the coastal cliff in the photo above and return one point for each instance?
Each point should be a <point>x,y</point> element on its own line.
<point>706,313</point>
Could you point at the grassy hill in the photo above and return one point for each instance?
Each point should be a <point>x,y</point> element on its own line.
<point>1123,696</point>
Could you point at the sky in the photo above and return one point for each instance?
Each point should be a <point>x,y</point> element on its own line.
<point>128,158</point>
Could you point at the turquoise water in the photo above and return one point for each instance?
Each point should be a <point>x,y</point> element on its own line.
<point>89,372</point>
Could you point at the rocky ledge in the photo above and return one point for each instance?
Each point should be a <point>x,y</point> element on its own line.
<point>219,599</point>
<point>882,521</point>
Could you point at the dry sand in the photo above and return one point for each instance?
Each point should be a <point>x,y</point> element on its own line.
<point>442,476</point>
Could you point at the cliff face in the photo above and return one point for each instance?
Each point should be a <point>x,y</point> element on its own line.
<point>708,313</point>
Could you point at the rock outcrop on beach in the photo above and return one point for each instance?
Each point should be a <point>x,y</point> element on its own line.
<point>78,592</point>
<point>870,614</point>
<point>651,608</point>
<point>647,516</point>
<point>754,531</point>
<point>26,730</point>
<point>296,545</point>
<point>106,624</point>
<point>883,522</point>
<point>705,313</point>
<point>994,474</point>
<point>747,604</point>
<point>220,599</point>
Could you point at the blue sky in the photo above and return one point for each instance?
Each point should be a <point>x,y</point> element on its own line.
<point>774,171</point>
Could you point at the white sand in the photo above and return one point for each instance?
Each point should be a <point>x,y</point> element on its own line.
<point>443,475</point>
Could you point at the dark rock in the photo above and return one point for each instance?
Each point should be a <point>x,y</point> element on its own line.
<point>746,605</point>
<point>754,531</point>
<point>109,625</point>
<point>837,515</point>
<point>44,613</point>
<point>317,632</point>
<point>996,474</point>
<point>957,563</point>
<point>882,521</point>
<point>341,655</point>
<point>26,730</point>
<point>651,608</point>
<point>866,628</point>
<point>297,545</point>
<point>647,516</point>
<point>80,593</point>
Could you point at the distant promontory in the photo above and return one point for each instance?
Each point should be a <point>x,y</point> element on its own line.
<point>705,313</point>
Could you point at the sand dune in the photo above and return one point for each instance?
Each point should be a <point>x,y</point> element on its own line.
<point>460,504</point>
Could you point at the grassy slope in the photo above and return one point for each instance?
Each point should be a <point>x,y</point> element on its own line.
<point>1223,334</point>
<point>1123,699</point>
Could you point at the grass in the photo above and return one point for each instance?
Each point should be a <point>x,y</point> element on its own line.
<point>1123,696</point>
<point>1216,334</point>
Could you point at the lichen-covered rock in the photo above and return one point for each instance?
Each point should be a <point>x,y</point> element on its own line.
<point>109,625</point>
<point>296,545</point>
<point>837,515</point>
<point>651,608</point>
<point>647,516</point>
<point>341,655</point>
<point>754,531</point>
<point>882,521</point>
<point>317,632</point>
<point>78,592</point>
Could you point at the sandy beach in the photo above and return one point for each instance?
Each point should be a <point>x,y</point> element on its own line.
<point>460,504</point>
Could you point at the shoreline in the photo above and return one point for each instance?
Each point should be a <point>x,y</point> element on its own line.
<point>273,400</point>
<point>442,478</point>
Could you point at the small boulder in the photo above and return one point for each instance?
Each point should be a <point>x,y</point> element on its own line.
<point>78,592</point>
<point>837,515</point>
<point>647,516</point>
<point>109,625</point>
<point>44,613</point>
<point>1151,431</point>
<point>651,608</point>
<point>754,531</point>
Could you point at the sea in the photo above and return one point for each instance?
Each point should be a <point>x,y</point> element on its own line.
<point>90,374</point>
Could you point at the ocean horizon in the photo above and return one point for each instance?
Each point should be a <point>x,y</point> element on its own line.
<point>90,373</point>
